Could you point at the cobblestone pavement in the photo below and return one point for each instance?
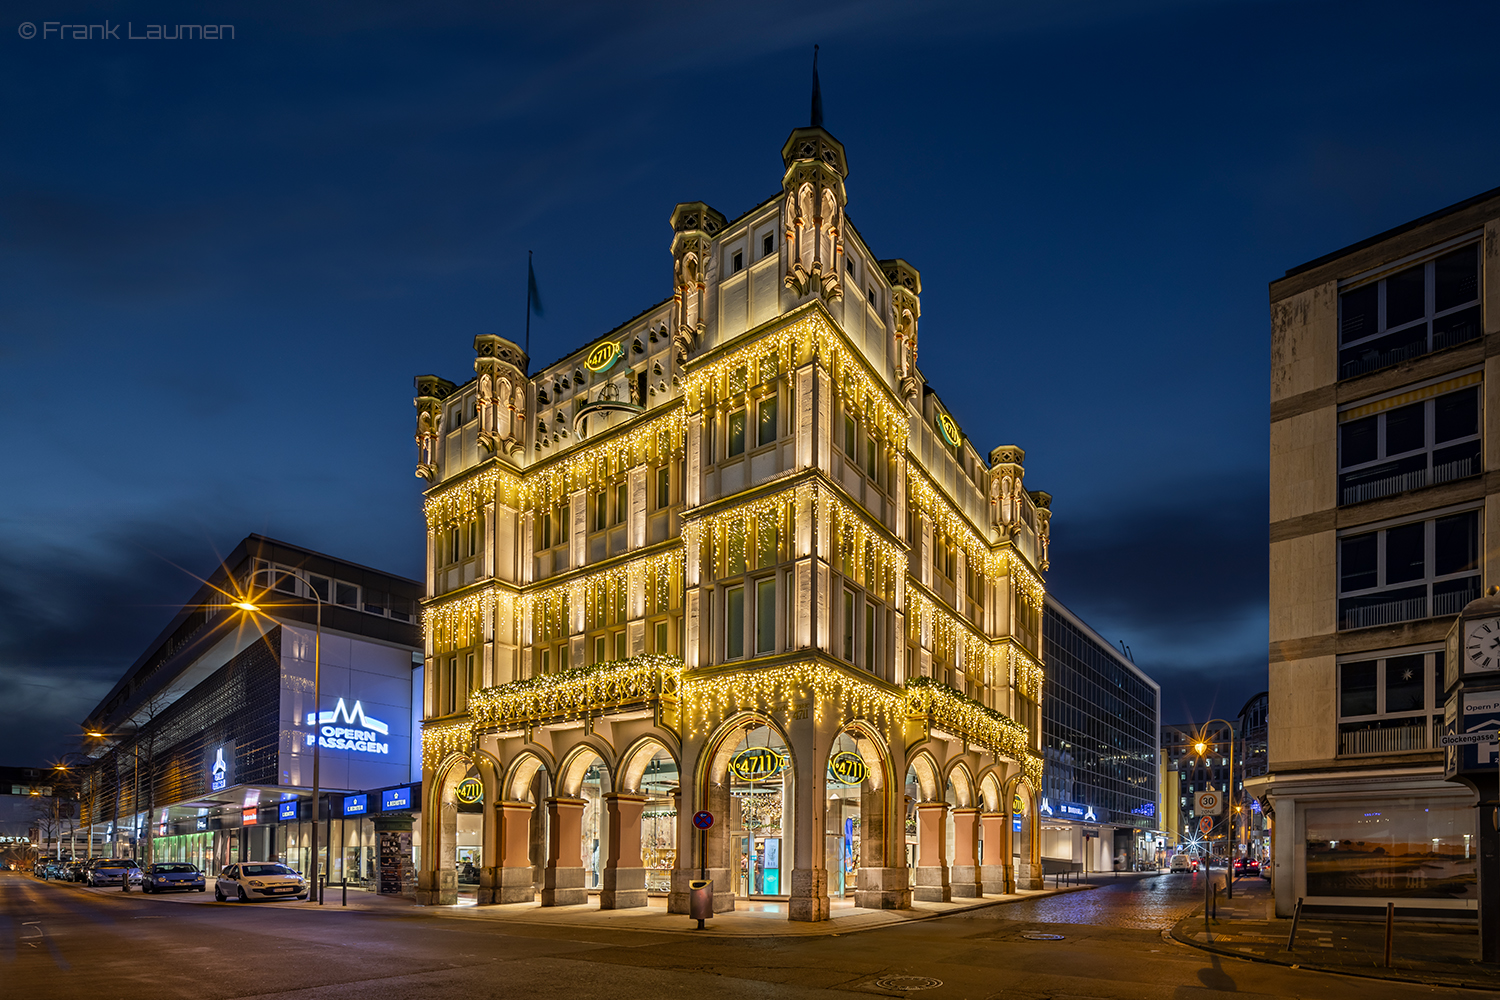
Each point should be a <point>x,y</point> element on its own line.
<point>1136,902</point>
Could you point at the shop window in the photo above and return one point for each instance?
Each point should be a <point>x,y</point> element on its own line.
<point>1409,571</point>
<point>1419,309</point>
<point>1387,449</point>
<point>736,436</point>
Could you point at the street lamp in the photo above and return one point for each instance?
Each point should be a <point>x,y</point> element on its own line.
<point>251,608</point>
<point>1201,746</point>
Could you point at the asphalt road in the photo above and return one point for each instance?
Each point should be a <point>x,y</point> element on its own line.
<point>65,941</point>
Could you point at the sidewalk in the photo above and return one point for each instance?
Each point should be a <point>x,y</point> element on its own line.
<point>750,918</point>
<point>1429,953</point>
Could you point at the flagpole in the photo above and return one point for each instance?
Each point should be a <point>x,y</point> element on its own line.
<point>528,303</point>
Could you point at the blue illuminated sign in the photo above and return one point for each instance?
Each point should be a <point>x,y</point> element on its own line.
<point>355,805</point>
<point>1015,822</point>
<point>395,798</point>
<point>287,810</point>
<point>1075,810</point>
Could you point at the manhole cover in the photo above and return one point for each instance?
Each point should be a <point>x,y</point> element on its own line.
<point>1039,936</point>
<point>907,983</point>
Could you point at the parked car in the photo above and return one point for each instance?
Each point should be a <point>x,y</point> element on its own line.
<point>169,876</point>
<point>1181,863</point>
<point>1246,866</point>
<point>75,871</point>
<point>111,871</point>
<point>264,879</point>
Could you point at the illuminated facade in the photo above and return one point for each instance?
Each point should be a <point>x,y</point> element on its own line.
<point>734,556</point>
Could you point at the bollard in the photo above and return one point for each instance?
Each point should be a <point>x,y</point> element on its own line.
<point>1291,939</point>
<point>1216,901</point>
<point>346,893</point>
<point>1390,920</point>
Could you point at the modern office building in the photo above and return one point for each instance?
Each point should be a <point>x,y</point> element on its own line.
<point>1382,366</point>
<point>203,750</point>
<point>1202,771</point>
<point>1254,761</point>
<point>1101,729</point>
<point>732,559</point>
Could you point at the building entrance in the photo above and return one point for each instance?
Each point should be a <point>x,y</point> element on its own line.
<point>760,777</point>
<point>841,853</point>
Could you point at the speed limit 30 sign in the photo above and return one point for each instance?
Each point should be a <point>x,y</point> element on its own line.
<point>1210,803</point>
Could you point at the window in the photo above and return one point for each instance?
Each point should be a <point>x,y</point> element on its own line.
<point>849,624</point>
<point>765,421</point>
<point>346,594</point>
<point>620,645</point>
<point>546,660</point>
<point>870,293</point>
<point>471,680</point>
<point>601,510</point>
<point>1409,571</point>
<point>736,434</point>
<point>622,502</point>
<point>1388,704</point>
<point>547,530</point>
<point>767,244</point>
<point>1423,308</point>
<point>872,458</point>
<point>734,614</point>
<point>661,637</point>
<point>663,487</point>
<point>319,585</point>
<point>765,616</point>
<point>1386,449</point>
<point>851,436</point>
<point>599,656</point>
<point>738,263</point>
<point>451,695</point>
<point>869,637</point>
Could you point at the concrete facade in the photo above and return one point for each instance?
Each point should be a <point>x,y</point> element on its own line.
<point>1359,605</point>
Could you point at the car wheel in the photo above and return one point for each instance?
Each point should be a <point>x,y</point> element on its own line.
<point>303,896</point>
<point>203,888</point>
<point>240,894</point>
<point>146,888</point>
<point>218,894</point>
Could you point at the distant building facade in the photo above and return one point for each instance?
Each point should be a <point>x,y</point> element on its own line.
<point>1383,428</point>
<point>204,752</point>
<point>1254,761</point>
<point>1101,724</point>
<point>1202,772</point>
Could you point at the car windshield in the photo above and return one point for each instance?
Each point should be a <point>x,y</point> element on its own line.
<point>175,869</point>
<point>114,864</point>
<point>266,870</point>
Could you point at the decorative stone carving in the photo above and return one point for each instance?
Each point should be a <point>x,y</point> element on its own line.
<point>431,391</point>
<point>694,226</point>
<point>1042,500</point>
<point>1006,474</point>
<point>906,310</point>
<point>813,212</point>
<point>501,369</point>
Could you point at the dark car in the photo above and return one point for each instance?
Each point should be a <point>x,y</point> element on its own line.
<point>169,876</point>
<point>1246,866</point>
<point>110,871</point>
<point>75,871</point>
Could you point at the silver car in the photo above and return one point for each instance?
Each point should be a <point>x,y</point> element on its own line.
<point>259,880</point>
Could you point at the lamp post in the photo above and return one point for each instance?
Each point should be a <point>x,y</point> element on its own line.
<point>1201,746</point>
<point>317,886</point>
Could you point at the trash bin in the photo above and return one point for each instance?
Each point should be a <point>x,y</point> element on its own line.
<point>700,898</point>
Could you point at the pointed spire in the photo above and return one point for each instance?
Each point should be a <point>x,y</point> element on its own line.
<point>817,94</point>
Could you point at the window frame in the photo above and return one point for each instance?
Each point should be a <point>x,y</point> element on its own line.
<point>1349,601</point>
<point>1351,365</point>
<point>734,594</point>
<point>1430,472</point>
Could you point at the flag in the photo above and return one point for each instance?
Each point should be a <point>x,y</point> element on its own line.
<point>533,297</point>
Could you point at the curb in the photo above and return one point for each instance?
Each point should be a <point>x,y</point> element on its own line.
<point>1433,979</point>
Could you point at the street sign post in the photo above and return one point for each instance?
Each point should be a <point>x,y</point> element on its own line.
<point>703,819</point>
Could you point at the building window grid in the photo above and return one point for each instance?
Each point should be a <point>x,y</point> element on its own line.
<point>1408,571</point>
<point>1421,308</point>
<point>1424,443</point>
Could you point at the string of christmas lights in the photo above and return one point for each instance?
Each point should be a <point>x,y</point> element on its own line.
<point>463,501</point>
<point>929,500</point>
<point>953,712</point>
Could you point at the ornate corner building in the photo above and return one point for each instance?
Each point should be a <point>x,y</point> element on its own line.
<point>734,557</point>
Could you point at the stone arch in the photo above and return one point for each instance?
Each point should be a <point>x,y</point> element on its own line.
<point>637,757</point>
<point>437,883</point>
<point>963,784</point>
<point>711,791</point>
<point>992,789</point>
<point>926,769</point>
<point>522,771</point>
<point>577,761</point>
<point>1026,845</point>
<point>880,881</point>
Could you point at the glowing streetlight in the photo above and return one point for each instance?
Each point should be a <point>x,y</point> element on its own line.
<point>251,608</point>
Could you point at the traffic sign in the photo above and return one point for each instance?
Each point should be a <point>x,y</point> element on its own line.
<point>1210,803</point>
<point>1205,824</point>
<point>1464,739</point>
<point>703,819</point>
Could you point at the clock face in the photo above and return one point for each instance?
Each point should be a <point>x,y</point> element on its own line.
<point>1482,645</point>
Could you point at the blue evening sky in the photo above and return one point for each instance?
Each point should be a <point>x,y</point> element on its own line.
<point>222,262</point>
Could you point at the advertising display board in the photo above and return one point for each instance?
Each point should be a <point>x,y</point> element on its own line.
<point>395,862</point>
